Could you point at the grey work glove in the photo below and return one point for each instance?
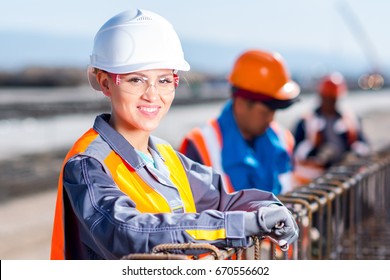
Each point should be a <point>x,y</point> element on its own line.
<point>274,221</point>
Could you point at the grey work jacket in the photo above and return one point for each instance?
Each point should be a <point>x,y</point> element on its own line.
<point>101,222</point>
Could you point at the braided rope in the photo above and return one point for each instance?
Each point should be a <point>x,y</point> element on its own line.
<point>257,248</point>
<point>162,248</point>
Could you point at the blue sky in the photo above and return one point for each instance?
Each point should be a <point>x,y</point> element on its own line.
<point>304,25</point>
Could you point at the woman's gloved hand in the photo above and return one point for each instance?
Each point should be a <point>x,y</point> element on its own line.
<point>274,221</point>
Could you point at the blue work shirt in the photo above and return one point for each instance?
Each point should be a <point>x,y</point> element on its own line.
<point>252,166</point>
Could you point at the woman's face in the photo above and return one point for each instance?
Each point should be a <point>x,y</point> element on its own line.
<point>140,99</point>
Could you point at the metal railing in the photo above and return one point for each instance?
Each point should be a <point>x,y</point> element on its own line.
<point>344,214</point>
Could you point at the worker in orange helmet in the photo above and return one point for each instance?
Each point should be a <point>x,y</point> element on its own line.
<point>325,135</point>
<point>244,143</point>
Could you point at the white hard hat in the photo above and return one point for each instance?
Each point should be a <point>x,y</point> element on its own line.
<point>136,40</point>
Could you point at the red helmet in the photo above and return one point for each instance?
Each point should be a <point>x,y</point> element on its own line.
<point>333,85</point>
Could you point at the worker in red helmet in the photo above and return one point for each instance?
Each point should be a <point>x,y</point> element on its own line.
<point>325,135</point>
<point>244,143</point>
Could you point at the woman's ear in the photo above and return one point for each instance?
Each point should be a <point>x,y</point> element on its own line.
<point>104,82</point>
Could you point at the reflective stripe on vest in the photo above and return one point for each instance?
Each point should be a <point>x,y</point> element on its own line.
<point>314,125</point>
<point>285,136</point>
<point>129,182</point>
<point>145,197</point>
<point>208,142</point>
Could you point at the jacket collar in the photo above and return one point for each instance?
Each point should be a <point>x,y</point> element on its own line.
<point>119,144</point>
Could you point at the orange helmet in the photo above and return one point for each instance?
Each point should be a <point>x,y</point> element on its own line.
<point>333,85</point>
<point>261,73</point>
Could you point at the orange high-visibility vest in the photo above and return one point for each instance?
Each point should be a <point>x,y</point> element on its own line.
<point>129,182</point>
<point>305,172</point>
<point>208,141</point>
<point>313,133</point>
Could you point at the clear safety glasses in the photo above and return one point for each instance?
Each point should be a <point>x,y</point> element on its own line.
<point>137,84</point>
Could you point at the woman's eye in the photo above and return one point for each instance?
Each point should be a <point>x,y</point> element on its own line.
<point>136,80</point>
<point>166,81</point>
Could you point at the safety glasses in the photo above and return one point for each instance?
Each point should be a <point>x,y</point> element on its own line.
<point>138,84</point>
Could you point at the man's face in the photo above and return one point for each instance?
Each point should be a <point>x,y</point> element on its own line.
<point>328,104</point>
<point>253,117</point>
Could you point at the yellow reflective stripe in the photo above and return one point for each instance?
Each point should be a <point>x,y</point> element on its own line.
<point>178,176</point>
<point>147,200</point>
<point>202,234</point>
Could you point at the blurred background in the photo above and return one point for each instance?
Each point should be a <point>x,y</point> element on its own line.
<point>46,102</point>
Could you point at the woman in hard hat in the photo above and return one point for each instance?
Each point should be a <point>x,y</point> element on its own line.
<point>244,143</point>
<point>123,191</point>
<point>324,135</point>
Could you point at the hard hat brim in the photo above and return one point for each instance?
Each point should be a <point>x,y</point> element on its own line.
<point>266,99</point>
<point>290,90</point>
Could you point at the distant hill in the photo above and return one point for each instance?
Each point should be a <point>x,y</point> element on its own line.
<point>19,50</point>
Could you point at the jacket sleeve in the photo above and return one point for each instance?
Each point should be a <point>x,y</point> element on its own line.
<point>209,193</point>
<point>108,223</point>
<point>299,133</point>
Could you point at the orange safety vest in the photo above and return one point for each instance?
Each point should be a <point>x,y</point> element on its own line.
<point>129,182</point>
<point>304,173</point>
<point>208,140</point>
<point>313,133</point>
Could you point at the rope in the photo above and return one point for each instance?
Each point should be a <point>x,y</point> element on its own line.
<point>163,248</point>
<point>257,248</point>
<point>155,257</point>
